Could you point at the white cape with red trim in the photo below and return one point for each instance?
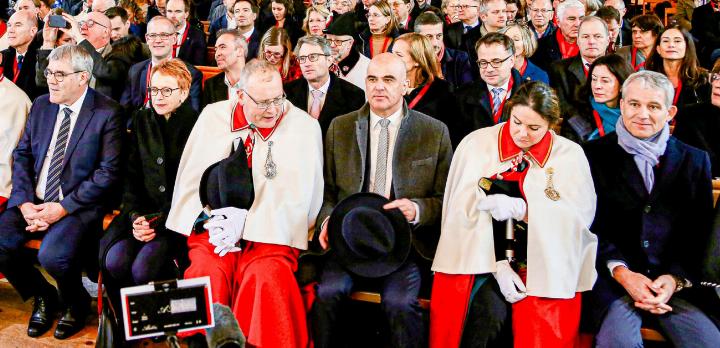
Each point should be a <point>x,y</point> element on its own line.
<point>285,207</point>
<point>15,106</point>
<point>561,249</point>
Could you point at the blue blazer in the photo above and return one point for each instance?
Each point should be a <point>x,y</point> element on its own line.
<point>661,232</point>
<point>534,73</point>
<point>215,26</point>
<point>91,167</point>
<point>134,94</point>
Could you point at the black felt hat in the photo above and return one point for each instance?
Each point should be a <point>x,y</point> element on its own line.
<point>342,25</point>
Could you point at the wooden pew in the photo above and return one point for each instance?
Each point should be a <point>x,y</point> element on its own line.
<point>208,72</point>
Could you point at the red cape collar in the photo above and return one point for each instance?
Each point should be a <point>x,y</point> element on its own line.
<point>239,122</point>
<point>539,152</point>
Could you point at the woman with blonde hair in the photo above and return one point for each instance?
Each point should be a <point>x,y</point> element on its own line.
<point>276,49</point>
<point>382,30</point>
<point>316,19</point>
<point>525,45</point>
<point>427,91</point>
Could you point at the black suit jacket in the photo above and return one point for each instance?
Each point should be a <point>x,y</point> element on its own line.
<point>455,39</point>
<point>343,97</point>
<point>698,125</point>
<point>438,102</point>
<point>656,233</point>
<point>194,49</point>
<point>26,79</point>
<point>136,87</point>
<point>457,68</point>
<point>473,102</point>
<point>566,76</point>
<point>215,90</point>
<point>706,27</point>
<point>548,51</point>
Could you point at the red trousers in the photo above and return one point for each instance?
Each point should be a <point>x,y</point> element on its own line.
<point>449,303</point>
<point>3,203</point>
<point>259,285</point>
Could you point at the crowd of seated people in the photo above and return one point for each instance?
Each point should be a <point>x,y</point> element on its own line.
<point>541,171</point>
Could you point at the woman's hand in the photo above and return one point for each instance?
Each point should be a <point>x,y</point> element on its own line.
<point>142,230</point>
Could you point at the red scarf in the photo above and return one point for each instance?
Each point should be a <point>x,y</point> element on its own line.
<point>384,47</point>
<point>633,58</point>
<point>523,67</point>
<point>567,49</point>
<point>419,96</point>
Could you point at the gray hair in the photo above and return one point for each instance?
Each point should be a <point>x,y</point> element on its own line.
<point>318,41</point>
<point>567,4</point>
<point>257,67</point>
<point>651,80</point>
<point>602,22</point>
<point>238,39</point>
<point>483,8</point>
<point>78,57</point>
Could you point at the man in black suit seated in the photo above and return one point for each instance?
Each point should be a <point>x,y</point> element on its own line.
<point>625,36</point>
<point>66,165</point>
<point>160,37</point>
<point>246,13</point>
<point>191,45</point>
<point>230,57</point>
<point>455,64</point>
<point>18,60</point>
<point>562,44</point>
<point>322,94</point>
<point>567,74</point>
<point>463,34</point>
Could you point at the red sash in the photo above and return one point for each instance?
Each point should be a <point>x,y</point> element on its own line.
<point>598,123</point>
<point>384,48</point>
<point>523,67</point>
<point>16,70</point>
<point>496,117</point>
<point>147,84</point>
<point>182,41</point>
<point>632,60</point>
<point>419,96</point>
<point>678,90</point>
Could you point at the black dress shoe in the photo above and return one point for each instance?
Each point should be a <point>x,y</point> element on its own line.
<point>72,321</point>
<point>43,315</point>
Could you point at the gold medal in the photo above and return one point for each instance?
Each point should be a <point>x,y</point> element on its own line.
<point>550,190</point>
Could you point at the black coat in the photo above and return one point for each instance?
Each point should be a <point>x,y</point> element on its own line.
<point>457,68</point>
<point>655,233</point>
<point>699,125</point>
<point>690,96</point>
<point>26,79</point>
<point>473,102</point>
<point>455,39</point>
<point>438,102</point>
<point>194,49</point>
<point>548,51</point>
<point>343,97</point>
<point>135,87</point>
<point>566,76</point>
<point>253,45</point>
<point>363,43</point>
<point>706,28</point>
<point>215,90</point>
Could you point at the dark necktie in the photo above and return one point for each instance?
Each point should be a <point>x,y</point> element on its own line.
<point>52,186</point>
<point>20,61</point>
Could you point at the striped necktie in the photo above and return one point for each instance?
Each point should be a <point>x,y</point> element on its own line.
<point>52,186</point>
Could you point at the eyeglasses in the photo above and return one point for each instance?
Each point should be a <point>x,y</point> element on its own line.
<point>159,37</point>
<point>714,77</point>
<point>336,42</point>
<point>542,11</point>
<point>166,92</point>
<point>275,55</point>
<point>495,63</point>
<point>90,23</point>
<point>463,7</point>
<point>265,104</point>
<point>313,57</point>
<point>58,75</point>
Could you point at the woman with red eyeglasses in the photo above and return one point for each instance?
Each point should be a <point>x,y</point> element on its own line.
<point>276,49</point>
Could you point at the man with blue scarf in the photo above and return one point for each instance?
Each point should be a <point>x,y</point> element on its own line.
<point>654,215</point>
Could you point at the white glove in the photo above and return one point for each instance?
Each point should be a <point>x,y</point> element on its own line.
<point>503,207</point>
<point>508,280</point>
<point>226,228</point>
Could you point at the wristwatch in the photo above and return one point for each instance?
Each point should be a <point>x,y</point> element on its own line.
<point>681,283</point>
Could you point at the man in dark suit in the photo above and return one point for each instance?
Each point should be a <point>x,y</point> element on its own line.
<point>563,43</point>
<point>65,166</point>
<point>246,13</point>
<point>225,21</point>
<point>230,57</point>
<point>464,34</point>
<point>18,60</point>
<point>706,28</point>
<point>625,36</point>
<point>160,37</point>
<point>322,94</point>
<point>403,155</point>
<point>481,103</point>
<point>654,215</point>
<point>568,74</point>
<point>191,45</point>
<point>455,64</point>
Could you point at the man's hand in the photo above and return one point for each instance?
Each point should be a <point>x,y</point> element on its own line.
<point>74,28</point>
<point>503,207</point>
<point>664,287</point>
<point>405,205</point>
<point>34,225</point>
<point>142,230</point>
<point>323,238</point>
<point>49,213</point>
<point>637,285</point>
<point>49,35</point>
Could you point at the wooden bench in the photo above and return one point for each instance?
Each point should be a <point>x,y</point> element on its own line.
<point>208,72</point>
<point>210,56</point>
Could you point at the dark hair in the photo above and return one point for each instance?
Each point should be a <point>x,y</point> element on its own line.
<point>539,97</point>
<point>691,73</point>
<point>520,6</point>
<point>496,38</point>
<point>647,22</point>
<point>608,13</point>
<point>132,8</point>
<point>617,65</point>
<point>128,48</point>
<point>117,11</point>
<point>716,67</point>
<point>253,6</point>
<point>289,9</point>
<point>426,18</point>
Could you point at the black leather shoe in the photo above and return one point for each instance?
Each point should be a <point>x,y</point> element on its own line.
<point>72,321</point>
<point>43,315</point>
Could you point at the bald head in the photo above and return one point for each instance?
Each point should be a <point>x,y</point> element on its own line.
<point>161,24</point>
<point>97,33</point>
<point>102,5</point>
<point>386,83</point>
<point>21,29</point>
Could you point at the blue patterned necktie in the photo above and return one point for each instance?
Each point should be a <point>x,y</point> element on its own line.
<point>496,99</point>
<point>52,186</point>
<point>20,61</point>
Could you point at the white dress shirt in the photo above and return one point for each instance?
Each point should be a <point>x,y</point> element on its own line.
<point>42,178</point>
<point>505,93</point>
<point>324,89</point>
<point>232,89</point>
<point>248,35</point>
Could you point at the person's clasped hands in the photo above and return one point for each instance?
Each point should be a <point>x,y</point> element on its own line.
<point>226,227</point>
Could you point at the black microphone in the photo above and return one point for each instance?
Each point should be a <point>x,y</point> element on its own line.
<point>226,333</point>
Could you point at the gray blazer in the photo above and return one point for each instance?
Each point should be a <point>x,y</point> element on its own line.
<point>421,160</point>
